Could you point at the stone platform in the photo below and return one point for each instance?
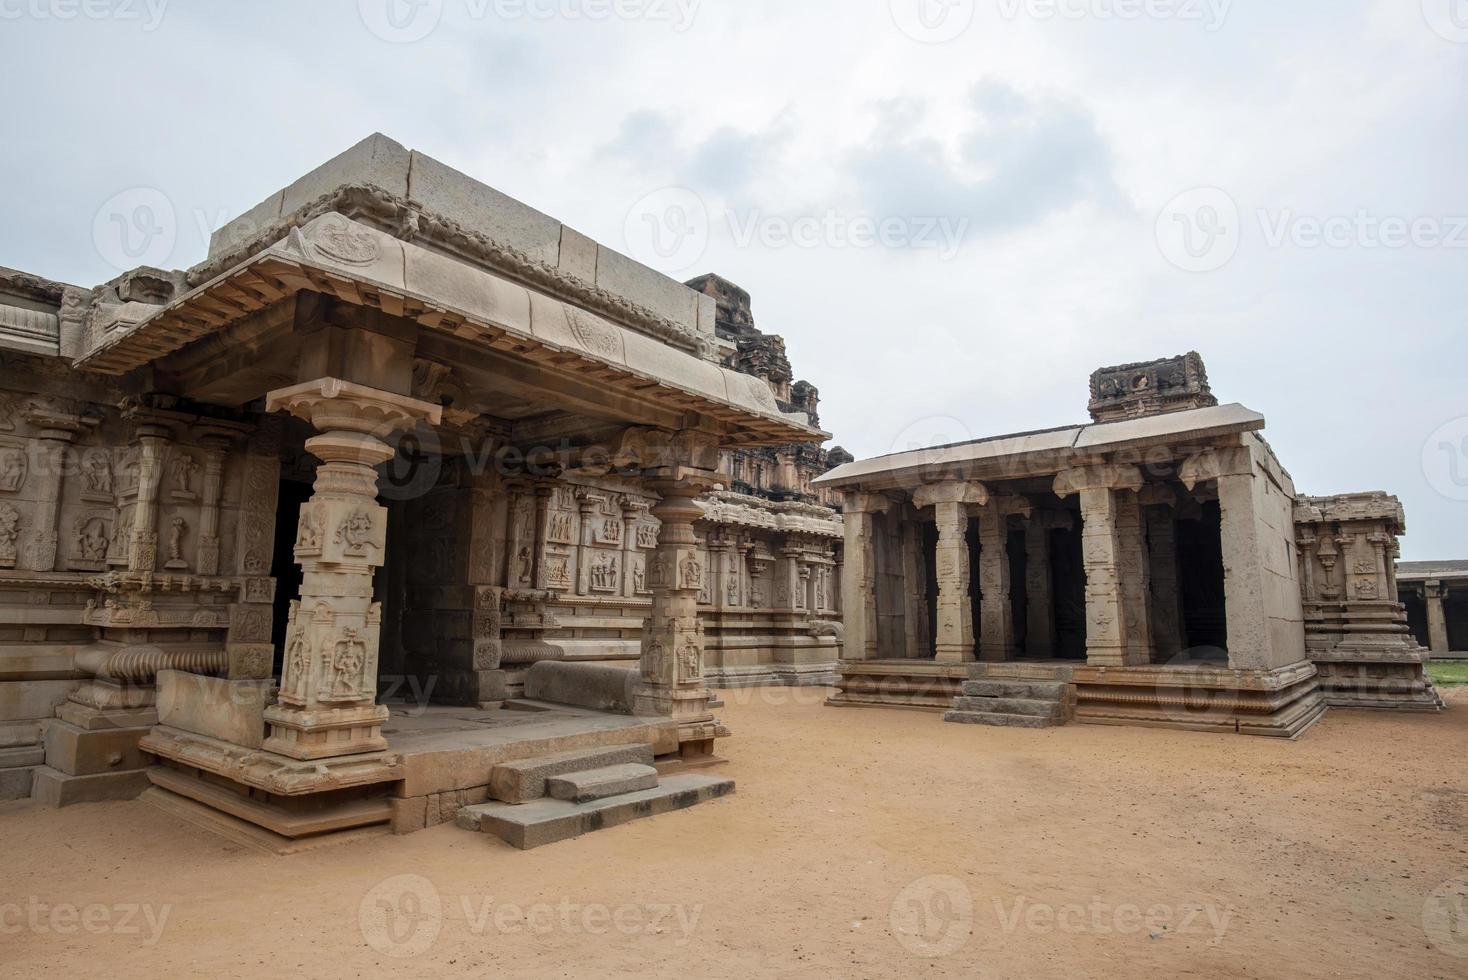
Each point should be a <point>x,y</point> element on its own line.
<point>438,760</point>
<point>924,684</point>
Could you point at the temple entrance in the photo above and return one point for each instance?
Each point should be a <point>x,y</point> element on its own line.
<point>1417,616</point>
<point>1200,581</point>
<point>1068,586</point>
<point>1455,610</point>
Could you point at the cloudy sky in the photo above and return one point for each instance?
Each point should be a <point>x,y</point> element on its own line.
<point>953,210</point>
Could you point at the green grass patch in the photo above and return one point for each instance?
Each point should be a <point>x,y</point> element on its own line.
<point>1445,674</point>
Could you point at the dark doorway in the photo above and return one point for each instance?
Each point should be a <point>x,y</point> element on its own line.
<point>283,566</point>
<point>1455,608</point>
<point>1019,564</point>
<point>1200,580</point>
<point>1417,616</point>
<point>1068,586</point>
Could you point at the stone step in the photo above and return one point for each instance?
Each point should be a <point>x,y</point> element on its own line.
<point>598,784</point>
<point>1039,690</point>
<point>1011,706</point>
<point>546,821</point>
<point>524,780</point>
<point>999,720</point>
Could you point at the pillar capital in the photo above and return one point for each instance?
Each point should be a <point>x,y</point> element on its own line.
<point>1097,476</point>
<point>950,492</point>
<point>331,404</point>
<point>1214,463</point>
<point>857,502</point>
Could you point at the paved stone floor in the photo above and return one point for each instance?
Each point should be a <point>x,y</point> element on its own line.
<point>860,843</point>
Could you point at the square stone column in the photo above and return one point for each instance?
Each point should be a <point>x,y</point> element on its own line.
<point>996,579</point>
<point>1136,584</point>
<point>914,571</point>
<point>1101,549</point>
<point>955,620</point>
<point>1437,620</point>
<point>859,574</point>
<point>327,702</point>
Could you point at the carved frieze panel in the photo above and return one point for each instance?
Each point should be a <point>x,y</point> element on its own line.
<point>96,475</point>
<point>14,466</point>
<point>606,573</point>
<point>92,540</point>
<point>10,520</point>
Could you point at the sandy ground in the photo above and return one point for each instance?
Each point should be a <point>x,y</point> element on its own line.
<point>861,843</point>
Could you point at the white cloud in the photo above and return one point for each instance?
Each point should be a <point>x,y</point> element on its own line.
<point>1085,129</point>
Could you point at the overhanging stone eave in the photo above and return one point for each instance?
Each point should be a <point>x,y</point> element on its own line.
<point>1192,429</point>
<point>277,273</point>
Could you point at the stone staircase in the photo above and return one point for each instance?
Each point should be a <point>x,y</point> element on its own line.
<point>552,798</point>
<point>1014,696</point>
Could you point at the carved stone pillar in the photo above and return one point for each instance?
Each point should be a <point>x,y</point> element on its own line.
<point>1245,588</point>
<point>672,637</point>
<point>630,511</point>
<point>328,691</point>
<point>950,503</point>
<point>914,574</point>
<point>859,575</point>
<point>216,440</point>
<point>153,443</point>
<point>996,585</point>
<point>1136,584</point>
<point>1039,596</point>
<point>1106,624</point>
<point>544,494</point>
<point>55,434</point>
<point>1437,620</point>
<point>585,541</point>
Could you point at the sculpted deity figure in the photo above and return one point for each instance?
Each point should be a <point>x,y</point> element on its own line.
<point>92,540</point>
<point>356,533</point>
<point>183,468</point>
<point>351,654</point>
<point>9,534</point>
<point>97,471</point>
<point>12,469</point>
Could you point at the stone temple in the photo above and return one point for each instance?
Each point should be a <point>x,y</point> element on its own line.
<point>1154,567</point>
<point>411,504</point>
